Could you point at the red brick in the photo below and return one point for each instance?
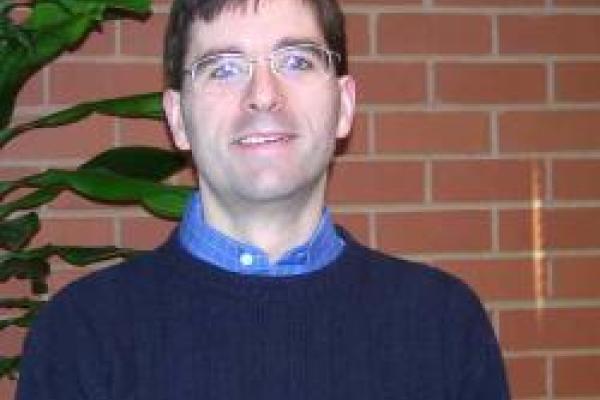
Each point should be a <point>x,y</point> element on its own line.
<point>490,83</point>
<point>439,132</point>
<point>574,228</point>
<point>15,288</point>
<point>567,228</point>
<point>357,33</point>
<point>186,177</point>
<point>99,42</point>
<point>577,376</point>
<point>587,3</point>
<point>72,201</point>
<point>546,329</point>
<point>434,33</point>
<point>145,232</point>
<point>490,3</point>
<point>527,376</point>
<point>576,277</point>
<point>19,13</point>
<point>76,82</point>
<point>576,179</point>
<point>144,132</point>
<point>32,93</point>
<point>578,81</point>
<point>377,182</point>
<point>11,340</point>
<point>357,141</point>
<point>10,173</point>
<point>7,388</point>
<point>523,230</point>
<point>407,86</point>
<point>82,140</point>
<point>549,34</point>
<point>434,231</point>
<point>16,194</point>
<point>356,224</point>
<point>501,280</point>
<point>549,131</point>
<point>82,232</point>
<point>486,180</point>
<point>143,38</point>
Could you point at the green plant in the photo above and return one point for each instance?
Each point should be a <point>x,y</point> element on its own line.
<point>127,175</point>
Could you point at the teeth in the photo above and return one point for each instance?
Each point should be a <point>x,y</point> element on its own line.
<point>250,140</point>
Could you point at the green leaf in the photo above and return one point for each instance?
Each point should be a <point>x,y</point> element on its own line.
<point>12,77</point>
<point>138,162</point>
<point>167,203</point>
<point>147,105</point>
<point>52,27</point>
<point>33,264</point>
<point>22,303</point>
<point>102,186</point>
<point>30,263</point>
<point>9,366</point>
<point>80,256</point>
<point>11,32</point>
<point>35,270</point>
<point>163,200</point>
<point>51,16</point>
<point>6,187</point>
<point>17,232</point>
<point>30,200</point>
<point>137,6</point>
<point>22,321</point>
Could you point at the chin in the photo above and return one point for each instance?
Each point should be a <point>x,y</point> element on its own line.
<point>272,192</point>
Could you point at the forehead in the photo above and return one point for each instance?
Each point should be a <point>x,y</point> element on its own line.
<point>255,27</point>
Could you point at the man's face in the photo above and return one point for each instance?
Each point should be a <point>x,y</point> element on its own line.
<point>268,139</point>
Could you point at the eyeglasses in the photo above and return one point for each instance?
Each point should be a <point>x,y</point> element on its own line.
<point>302,64</point>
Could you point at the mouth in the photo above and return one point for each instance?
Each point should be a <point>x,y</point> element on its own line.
<point>261,139</point>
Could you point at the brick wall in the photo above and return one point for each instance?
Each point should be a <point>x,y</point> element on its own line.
<point>476,147</point>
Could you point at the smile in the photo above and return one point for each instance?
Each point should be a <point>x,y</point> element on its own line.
<point>253,140</point>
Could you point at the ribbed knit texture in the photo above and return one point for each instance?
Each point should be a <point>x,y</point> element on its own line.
<point>168,326</point>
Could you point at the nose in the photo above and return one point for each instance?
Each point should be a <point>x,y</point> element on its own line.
<point>264,90</point>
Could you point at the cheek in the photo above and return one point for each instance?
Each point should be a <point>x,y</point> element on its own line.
<point>321,108</point>
<point>213,113</point>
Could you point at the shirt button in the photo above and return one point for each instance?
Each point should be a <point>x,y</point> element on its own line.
<point>246,259</point>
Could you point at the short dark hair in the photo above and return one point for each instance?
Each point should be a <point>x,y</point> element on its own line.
<point>184,12</point>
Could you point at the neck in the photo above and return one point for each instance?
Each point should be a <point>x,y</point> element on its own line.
<point>273,226</point>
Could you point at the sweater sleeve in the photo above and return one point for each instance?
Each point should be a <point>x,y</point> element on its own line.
<point>476,365</point>
<point>63,357</point>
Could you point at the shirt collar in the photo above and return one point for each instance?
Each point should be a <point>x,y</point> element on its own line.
<point>205,242</point>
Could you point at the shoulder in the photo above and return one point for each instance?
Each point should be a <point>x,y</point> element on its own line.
<point>428,297</point>
<point>105,291</point>
<point>411,280</point>
<point>442,311</point>
<point>140,270</point>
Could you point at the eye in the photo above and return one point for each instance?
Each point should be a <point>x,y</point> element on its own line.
<point>225,68</point>
<point>296,61</point>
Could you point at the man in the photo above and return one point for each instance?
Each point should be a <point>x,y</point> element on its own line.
<point>256,295</point>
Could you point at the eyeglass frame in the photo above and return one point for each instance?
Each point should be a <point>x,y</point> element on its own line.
<point>333,57</point>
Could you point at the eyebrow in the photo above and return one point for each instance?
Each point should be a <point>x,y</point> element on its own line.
<point>281,43</point>
<point>289,42</point>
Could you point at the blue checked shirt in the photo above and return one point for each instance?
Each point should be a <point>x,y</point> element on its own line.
<point>206,243</point>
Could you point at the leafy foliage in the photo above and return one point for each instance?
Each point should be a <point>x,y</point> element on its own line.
<point>51,27</point>
<point>146,105</point>
<point>126,175</point>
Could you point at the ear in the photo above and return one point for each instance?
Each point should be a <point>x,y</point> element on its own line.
<point>172,106</point>
<point>347,105</point>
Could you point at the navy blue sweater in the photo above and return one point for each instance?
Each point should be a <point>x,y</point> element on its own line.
<point>168,326</point>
